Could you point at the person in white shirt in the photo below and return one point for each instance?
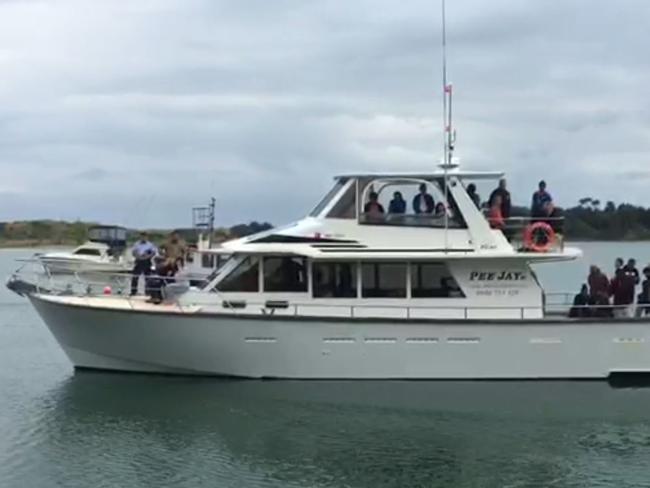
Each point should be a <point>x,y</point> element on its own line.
<point>143,252</point>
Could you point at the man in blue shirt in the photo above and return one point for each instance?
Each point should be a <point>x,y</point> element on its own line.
<point>143,252</point>
<point>540,199</point>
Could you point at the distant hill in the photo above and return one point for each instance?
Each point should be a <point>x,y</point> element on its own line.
<point>57,232</point>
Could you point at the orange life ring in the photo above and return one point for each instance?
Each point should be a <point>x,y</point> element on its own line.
<point>539,237</point>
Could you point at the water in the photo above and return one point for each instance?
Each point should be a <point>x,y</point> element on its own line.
<point>60,428</point>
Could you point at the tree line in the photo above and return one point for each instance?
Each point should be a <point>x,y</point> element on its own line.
<point>590,220</point>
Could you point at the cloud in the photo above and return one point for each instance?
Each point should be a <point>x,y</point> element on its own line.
<point>137,111</point>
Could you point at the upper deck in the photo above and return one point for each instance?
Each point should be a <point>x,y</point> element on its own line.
<point>394,216</point>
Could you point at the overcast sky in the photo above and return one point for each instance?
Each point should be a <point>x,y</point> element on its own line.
<point>134,111</point>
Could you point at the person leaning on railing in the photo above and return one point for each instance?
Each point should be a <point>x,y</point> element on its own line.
<point>582,303</point>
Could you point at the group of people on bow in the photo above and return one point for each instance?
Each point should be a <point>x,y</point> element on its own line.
<point>158,264</point>
<point>615,297</point>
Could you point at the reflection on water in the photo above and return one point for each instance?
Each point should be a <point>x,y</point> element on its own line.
<point>99,429</point>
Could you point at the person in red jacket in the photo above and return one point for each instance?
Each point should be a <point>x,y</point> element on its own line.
<point>622,287</point>
<point>495,215</point>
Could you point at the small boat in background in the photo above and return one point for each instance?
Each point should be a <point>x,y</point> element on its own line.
<point>104,251</point>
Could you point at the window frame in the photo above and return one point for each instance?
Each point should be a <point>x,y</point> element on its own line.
<point>377,264</point>
<point>355,267</point>
<point>413,275</point>
<point>216,287</point>
<point>263,277</point>
<point>409,219</point>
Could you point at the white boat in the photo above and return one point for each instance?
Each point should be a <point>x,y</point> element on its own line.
<point>344,294</point>
<point>353,292</point>
<point>103,252</point>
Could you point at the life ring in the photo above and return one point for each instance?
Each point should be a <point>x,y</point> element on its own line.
<point>539,237</point>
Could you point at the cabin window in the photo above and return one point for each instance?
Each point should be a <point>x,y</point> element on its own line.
<point>244,278</point>
<point>88,252</point>
<point>383,280</point>
<point>409,202</point>
<point>433,280</point>
<point>334,280</point>
<point>207,260</point>
<point>285,274</point>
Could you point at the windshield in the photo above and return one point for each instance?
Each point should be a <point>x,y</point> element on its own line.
<point>328,198</point>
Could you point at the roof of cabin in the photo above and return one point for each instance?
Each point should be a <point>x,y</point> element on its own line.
<point>473,175</point>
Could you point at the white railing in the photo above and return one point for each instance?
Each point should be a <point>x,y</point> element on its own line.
<point>93,284</point>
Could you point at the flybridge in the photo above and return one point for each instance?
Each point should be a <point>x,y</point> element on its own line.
<point>474,175</point>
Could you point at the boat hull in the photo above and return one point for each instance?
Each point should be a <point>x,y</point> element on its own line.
<point>316,348</point>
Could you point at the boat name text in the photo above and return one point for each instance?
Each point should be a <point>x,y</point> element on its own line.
<point>497,276</point>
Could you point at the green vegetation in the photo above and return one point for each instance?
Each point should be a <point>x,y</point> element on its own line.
<point>588,221</point>
<point>61,233</point>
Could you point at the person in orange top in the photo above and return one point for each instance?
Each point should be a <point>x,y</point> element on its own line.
<point>495,216</point>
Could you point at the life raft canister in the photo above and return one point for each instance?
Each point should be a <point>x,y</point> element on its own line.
<point>539,237</point>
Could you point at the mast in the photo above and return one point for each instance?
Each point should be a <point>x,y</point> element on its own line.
<point>211,221</point>
<point>449,134</point>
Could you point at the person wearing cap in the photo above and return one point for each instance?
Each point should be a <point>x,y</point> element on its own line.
<point>143,252</point>
<point>541,201</point>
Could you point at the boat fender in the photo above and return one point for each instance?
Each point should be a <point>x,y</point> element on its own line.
<point>539,237</point>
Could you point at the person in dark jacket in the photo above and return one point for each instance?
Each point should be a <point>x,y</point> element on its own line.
<point>471,191</point>
<point>423,202</point>
<point>622,288</point>
<point>598,283</point>
<point>541,198</point>
<point>644,297</point>
<point>397,205</point>
<point>502,192</point>
<point>630,269</point>
<point>581,303</point>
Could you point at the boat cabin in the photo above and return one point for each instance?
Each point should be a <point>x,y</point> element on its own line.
<point>110,235</point>
<point>358,253</point>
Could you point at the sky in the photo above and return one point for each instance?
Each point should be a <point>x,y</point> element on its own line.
<point>133,112</point>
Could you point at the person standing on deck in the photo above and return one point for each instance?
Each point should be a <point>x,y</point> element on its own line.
<point>622,288</point>
<point>495,215</point>
<point>541,200</point>
<point>630,269</point>
<point>423,202</point>
<point>599,290</point>
<point>143,252</point>
<point>471,191</point>
<point>643,299</point>
<point>504,195</point>
<point>175,250</point>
